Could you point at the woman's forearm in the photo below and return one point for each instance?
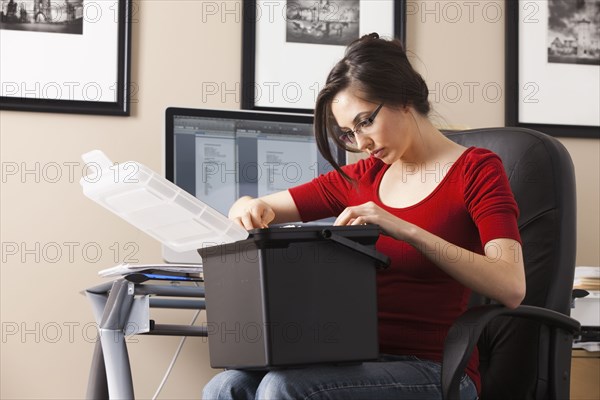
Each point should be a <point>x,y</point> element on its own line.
<point>499,274</point>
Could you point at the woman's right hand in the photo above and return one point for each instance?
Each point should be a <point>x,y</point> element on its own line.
<point>251,213</point>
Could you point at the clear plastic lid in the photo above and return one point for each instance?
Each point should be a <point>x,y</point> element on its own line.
<point>155,205</point>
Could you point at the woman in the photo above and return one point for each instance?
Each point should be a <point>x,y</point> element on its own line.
<point>449,221</point>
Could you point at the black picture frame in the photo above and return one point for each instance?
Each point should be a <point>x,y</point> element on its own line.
<point>249,53</point>
<point>120,12</point>
<point>514,86</point>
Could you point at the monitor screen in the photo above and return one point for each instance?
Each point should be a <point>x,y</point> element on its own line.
<point>219,156</point>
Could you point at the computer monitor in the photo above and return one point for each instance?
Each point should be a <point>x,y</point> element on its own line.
<point>219,156</point>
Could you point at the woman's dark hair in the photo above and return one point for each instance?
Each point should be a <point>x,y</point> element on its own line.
<point>381,73</point>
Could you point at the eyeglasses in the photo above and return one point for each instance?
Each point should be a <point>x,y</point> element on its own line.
<point>349,137</point>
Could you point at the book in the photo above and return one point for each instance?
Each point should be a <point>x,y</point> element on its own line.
<point>587,278</point>
<point>154,274</point>
<point>175,269</point>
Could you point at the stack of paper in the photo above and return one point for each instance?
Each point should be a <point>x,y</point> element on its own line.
<point>586,309</point>
<point>125,269</point>
<point>587,278</point>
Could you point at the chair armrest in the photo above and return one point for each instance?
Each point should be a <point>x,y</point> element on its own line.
<point>466,330</point>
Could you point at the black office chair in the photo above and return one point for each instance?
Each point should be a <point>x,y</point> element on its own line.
<point>525,353</point>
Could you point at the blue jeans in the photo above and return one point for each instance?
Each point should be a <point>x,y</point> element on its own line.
<point>391,377</point>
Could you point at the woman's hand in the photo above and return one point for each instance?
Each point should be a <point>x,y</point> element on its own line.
<point>251,213</point>
<point>371,213</point>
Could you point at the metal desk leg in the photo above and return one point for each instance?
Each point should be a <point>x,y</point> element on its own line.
<point>112,338</point>
<point>115,305</point>
<point>97,386</point>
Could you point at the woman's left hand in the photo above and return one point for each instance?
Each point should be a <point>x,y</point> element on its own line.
<point>371,213</point>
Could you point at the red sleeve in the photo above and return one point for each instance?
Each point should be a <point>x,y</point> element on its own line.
<point>327,195</point>
<point>488,197</point>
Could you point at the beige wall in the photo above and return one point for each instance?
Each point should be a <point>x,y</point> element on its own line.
<point>47,325</point>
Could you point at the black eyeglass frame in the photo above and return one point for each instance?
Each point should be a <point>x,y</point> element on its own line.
<point>349,137</point>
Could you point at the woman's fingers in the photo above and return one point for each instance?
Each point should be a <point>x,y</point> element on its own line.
<point>267,216</point>
<point>358,221</point>
<point>247,221</point>
<point>261,216</point>
<point>343,218</point>
<point>349,216</point>
<point>238,221</point>
<point>256,217</point>
<point>252,213</point>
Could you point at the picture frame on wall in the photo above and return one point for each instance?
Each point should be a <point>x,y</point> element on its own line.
<point>289,46</point>
<point>68,56</point>
<point>553,66</point>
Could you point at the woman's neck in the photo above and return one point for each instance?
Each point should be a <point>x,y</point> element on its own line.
<point>427,143</point>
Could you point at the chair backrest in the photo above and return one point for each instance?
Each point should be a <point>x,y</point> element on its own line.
<point>514,352</point>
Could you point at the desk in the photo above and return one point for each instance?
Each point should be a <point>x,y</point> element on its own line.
<point>585,375</point>
<point>123,308</point>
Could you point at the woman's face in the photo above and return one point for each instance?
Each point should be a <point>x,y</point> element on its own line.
<point>386,138</point>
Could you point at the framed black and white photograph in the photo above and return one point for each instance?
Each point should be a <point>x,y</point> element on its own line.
<point>553,66</point>
<point>289,46</point>
<point>69,56</point>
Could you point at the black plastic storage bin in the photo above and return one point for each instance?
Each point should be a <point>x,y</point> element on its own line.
<point>293,296</point>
